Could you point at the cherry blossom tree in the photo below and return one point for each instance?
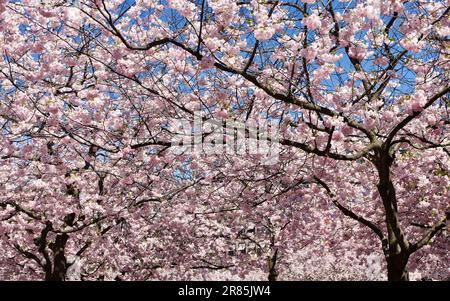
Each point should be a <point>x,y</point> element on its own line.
<point>358,91</point>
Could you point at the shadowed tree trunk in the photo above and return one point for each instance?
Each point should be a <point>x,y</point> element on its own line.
<point>272,262</point>
<point>396,266</point>
<point>398,251</point>
<point>59,270</point>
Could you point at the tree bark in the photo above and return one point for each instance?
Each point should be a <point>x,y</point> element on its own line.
<point>272,276</point>
<point>396,266</point>
<point>59,270</point>
<point>272,262</point>
<point>398,251</point>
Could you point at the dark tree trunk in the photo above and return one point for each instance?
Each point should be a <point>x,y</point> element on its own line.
<point>272,262</point>
<point>396,266</point>
<point>59,259</point>
<point>273,276</point>
<point>397,252</point>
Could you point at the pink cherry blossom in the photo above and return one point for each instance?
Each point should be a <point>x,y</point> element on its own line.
<point>264,33</point>
<point>207,62</point>
<point>219,140</point>
<point>313,21</point>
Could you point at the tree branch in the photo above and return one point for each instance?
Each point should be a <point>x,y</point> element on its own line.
<point>353,215</point>
<point>441,224</point>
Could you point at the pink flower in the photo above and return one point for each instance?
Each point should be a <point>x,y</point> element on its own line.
<point>213,43</point>
<point>71,62</point>
<point>313,21</point>
<point>416,106</point>
<point>370,122</point>
<point>418,101</point>
<point>53,110</point>
<point>321,73</point>
<point>46,14</point>
<point>222,114</point>
<point>207,62</point>
<point>9,149</point>
<point>52,121</point>
<point>127,180</point>
<point>330,58</point>
<point>381,61</point>
<point>116,125</point>
<point>38,47</point>
<point>65,140</point>
<point>338,136</point>
<point>388,116</point>
<point>412,44</point>
<point>264,33</point>
<point>358,53</point>
<point>397,6</point>
<point>308,53</point>
<point>346,130</point>
<point>85,118</point>
<point>371,12</point>
<point>431,120</point>
<point>116,54</point>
